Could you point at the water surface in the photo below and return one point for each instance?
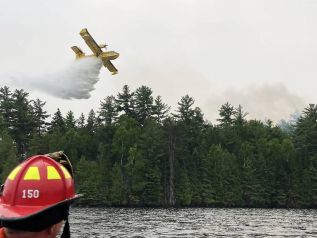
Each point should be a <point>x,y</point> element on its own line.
<point>192,222</point>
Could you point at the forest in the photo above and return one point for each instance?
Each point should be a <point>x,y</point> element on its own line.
<point>134,151</point>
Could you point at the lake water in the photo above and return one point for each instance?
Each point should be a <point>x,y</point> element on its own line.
<point>192,222</point>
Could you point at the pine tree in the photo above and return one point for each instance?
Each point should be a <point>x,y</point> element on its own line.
<point>80,122</point>
<point>58,122</point>
<point>40,117</point>
<point>6,105</point>
<point>125,101</point>
<point>225,176</point>
<point>70,122</point>
<point>22,120</point>
<point>117,186</point>
<point>226,113</point>
<point>183,189</point>
<point>177,160</point>
<point>8,159</point>
<point>143,104</point>
<point>135,171</point>
<point>105,163</point>
<point>39,143</point>
<point>151,150</point>
<point>90,150</point>
<point>160,110</point>
<point>184,111</point>
<point>108,113</point>
<point>91,125</point>
<point>239,116</point>
<point>153,189</point>
<point>125,137</point>
<point>3,125</point>
<point>89,179</point>
<point>206,188</point>
<point>247,171</point>
<point>305,135</point>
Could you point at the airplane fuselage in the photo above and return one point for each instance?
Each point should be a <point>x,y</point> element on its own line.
<point>105,56</point>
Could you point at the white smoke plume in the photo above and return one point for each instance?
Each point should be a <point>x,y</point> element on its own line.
<point>262,101</point>
<point>267,101</point>
<point>75,81</point>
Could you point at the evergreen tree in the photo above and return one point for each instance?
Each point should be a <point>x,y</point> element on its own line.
<point>183,191</point>
<point>58,122</point>
<point>125,137</point>
<point>153,188</point>
<point>22,120</point>
<point>40,116</point>
<point>70,122</point>
<point>108,113</point>
<point>91,125</point>
<point>146,157</point>
<point>151,150</point>
<point>226,179</point>
<point>117,186</point>
<point>90,149</point>
<point>125,101</point>
<point>248,184</point>
<point>184,111</point>
<point>226,113</point>
<point>8,153</point>
<point>80,122</point>
<point>143,104</point>
<point>6,105</point>
<point>206,183</point>
<point>305,135</point>
<point>72,144</point>
<point>160,110</point>
<point>3,126</point>
<point>135,170</point>
<point>104,162</point>
<point>89,178</point>
<point>239,116</point>
<point>38,143</point>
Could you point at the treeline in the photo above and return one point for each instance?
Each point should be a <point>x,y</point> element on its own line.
<point>133,151</point>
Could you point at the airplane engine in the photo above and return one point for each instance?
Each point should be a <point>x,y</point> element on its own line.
<point>109,55</point>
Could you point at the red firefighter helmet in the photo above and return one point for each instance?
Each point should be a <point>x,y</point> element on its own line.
<point>37,184</point>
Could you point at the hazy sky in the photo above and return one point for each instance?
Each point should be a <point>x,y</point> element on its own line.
<point>260,54</point>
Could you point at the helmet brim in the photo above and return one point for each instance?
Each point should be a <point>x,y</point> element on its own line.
<point>16,213</point>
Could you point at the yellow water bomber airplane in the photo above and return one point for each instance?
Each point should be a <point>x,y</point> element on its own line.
<point>105,56</point>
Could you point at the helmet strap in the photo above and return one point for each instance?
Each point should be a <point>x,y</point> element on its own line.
<point>66,231</point>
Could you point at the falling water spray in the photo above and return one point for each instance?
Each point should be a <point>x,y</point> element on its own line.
<point>76,81</point>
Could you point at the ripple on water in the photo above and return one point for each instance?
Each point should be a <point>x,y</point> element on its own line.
<point>192,222</point>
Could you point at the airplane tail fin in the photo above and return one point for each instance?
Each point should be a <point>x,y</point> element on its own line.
<point>79,53</point>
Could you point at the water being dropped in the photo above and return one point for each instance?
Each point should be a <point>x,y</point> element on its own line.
<point>76,81</point>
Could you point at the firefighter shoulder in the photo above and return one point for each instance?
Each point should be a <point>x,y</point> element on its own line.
<point>36,195</point>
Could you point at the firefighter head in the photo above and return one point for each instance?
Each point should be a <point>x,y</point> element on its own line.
<point>35,198</point>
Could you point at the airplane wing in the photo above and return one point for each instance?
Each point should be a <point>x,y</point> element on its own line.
<point>110,66</point>
<point>90,42</point>
<point>79,53</point>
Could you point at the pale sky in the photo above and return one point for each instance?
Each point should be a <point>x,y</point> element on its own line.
<point>260,54</point>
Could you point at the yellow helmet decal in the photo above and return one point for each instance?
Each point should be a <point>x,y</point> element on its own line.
<point>32,173</point>
<point>66,173</point>
<point>52,173</point>
<point>14,173</point>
